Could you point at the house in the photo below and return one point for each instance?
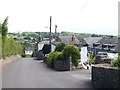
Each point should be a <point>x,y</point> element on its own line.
<point>29,51</point>
<point>104,44</point>
<point>67,40</point>
<point>41,44</point>
<point>91,40</point>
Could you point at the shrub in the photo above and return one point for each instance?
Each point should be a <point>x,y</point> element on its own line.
<point>60,47</point>
<point>116,63</point>
<point>92,58</point>
<point>50,59</point>
<point>72,51</point>
<point>58,56</point>
<point>11,47</point>
<point>54,56</point>
<point>46,49</point>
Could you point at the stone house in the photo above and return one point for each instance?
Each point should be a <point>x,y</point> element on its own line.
<point>72,40</point>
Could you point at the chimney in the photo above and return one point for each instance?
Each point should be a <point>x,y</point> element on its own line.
<point>73,37</point>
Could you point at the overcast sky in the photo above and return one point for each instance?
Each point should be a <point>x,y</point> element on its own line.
<point>82,16</point>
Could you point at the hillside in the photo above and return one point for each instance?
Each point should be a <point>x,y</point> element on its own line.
<point>29,39</point>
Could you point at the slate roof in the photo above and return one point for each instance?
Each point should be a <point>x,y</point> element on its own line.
<point>67,40</point>
<point>107,40</point>
<point>29,49</point>
<point>91,40</point>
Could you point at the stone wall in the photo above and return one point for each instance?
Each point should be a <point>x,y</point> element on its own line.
<point>105,77</point>
<point>61,66</point>
<point>40,55</point>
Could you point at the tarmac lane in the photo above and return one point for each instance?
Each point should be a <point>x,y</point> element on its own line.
<point>30,73</point>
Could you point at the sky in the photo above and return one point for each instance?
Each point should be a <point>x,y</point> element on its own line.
<point>81,16</point>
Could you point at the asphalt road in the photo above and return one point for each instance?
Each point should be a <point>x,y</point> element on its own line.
<point>30,73</point>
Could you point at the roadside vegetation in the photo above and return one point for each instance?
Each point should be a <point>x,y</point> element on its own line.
<point>64,52</point>
<point>116,63</point>
<point>8,46</point>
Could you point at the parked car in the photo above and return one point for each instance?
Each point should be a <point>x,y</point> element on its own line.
<point>102,57</point>
<point>102,54</point>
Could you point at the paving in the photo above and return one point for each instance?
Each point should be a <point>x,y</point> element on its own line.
<point>31,73</point>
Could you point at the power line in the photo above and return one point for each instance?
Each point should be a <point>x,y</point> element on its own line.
<point>77,12</point>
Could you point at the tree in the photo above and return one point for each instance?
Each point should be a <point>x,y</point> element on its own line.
<point>46,49</point>
<point>60,47</point>
<point>4,27</point>
<point>4,30</point>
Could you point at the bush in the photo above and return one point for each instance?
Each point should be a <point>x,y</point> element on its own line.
<point>92,58</point>
<point>60,47</point>
<point>116,63</point>
<point>46,49</point>
<point>50,59</point>
<point>0,46</point>
<point>58,56</point>
<point>11,47</point>
<point>72,51</point>
<point>54,56</point>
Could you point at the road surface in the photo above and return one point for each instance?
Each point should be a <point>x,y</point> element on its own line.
<point>30,73</point>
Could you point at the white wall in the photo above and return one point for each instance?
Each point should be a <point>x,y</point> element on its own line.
<point>40,46</point>
<point>28,52</point>
<point>53,48</point>
<point>83,54</point>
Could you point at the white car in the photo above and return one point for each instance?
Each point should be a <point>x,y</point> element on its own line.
<point>112,56</point>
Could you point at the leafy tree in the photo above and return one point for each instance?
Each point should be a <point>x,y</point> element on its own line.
<point>4,27</point>
<point>60,47</point>
<point>46,49</point>
<point>9,46</point>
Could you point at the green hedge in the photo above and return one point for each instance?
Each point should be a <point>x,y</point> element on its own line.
<point>73,51</point>
<point>68,51</point>
<point>54,56</point>
<point>11,47</point>
<point>50,59</point>
<point>0,46</point>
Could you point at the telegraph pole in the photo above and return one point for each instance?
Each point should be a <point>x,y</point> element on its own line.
<point>50,29</point>
<point>55,31</point>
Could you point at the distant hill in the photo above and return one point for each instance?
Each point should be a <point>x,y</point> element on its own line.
<point>29,39</point>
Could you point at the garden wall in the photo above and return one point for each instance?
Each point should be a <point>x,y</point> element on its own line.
<point>62,66</point>
<point>105,77</point>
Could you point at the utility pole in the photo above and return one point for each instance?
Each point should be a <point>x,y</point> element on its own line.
<point>55,31</point>
<point>50,29</point>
